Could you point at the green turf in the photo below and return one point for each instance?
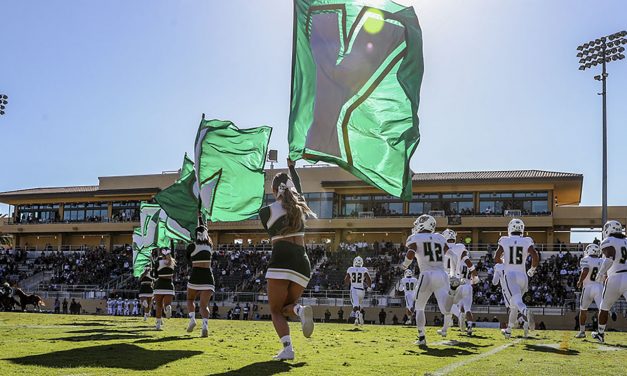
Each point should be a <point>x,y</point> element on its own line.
<point>43,344</point>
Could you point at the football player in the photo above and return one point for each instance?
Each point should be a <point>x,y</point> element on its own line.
<point>409,284</point>
<point>512,253</point>
<point>592,286</point>
<point>460,267</point>
<point>357,275</point>
<point>614,248</point>
<point>428,248</point>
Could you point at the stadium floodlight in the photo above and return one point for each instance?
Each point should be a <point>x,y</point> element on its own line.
<point>602,51</point>
<point>3,102</point>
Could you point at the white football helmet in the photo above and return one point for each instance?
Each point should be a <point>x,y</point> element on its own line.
<point>358,262</point>
<point>612,227</point>
<point>449,235</point>
<point>592,250</point>
<point>408,273</point>
<point>515,225</point>
<point>425,222</point>
<point>454,282</point>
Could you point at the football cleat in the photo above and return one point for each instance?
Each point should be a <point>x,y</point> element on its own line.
<point>285,354</point>
<point>306,320</point>
<point>581,335</point>
<point>469,331</point>
<point>204,332</point>
<point>422,341</point>
<point>158,325</point>
<point>191,326</point>
<point>507,333</point>
<point>526,329</point>
<point>442,332</point>
<point>599,336</point>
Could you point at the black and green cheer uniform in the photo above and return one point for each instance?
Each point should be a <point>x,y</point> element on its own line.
<point>145,287</point>
<point>164,286</point>
<point>200,278</point>
<point>289,261</point>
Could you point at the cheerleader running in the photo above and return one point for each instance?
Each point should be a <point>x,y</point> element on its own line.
<point>164,287</point>
<point>145,291</point>
<point>289,270</point>
<point>201,280</point>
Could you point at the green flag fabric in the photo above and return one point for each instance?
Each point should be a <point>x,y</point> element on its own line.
<point>179,203</point>
<point>141,255</point>
<point>356,74</point>
<point>230,169</point>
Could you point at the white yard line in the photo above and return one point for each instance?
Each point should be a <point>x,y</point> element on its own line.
<point>451,367</point>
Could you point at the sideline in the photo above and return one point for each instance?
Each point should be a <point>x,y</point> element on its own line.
<point>451,367</point>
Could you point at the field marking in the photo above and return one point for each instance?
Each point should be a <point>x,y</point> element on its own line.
<point>451,367</point>
<point>39,326</point>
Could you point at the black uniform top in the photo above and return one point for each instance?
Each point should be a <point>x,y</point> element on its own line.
<point>164,269</point>
<point>146,279</point>
<point>274,217</point>
<point>197,253</point>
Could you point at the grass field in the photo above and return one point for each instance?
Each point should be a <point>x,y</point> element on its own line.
<point>40,344</point>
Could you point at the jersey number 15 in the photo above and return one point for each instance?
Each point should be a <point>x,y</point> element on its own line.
<point>516,255</point>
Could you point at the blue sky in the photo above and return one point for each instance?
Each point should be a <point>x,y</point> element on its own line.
<point>117,87</point>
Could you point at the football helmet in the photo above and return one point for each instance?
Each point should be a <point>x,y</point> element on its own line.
<point>408,273</point>
<point>612,227</point>
<point>358,262</point>
<point>425,222</point>
<point>515,225</point>
<point>592,250</point>
<point>449,235</point>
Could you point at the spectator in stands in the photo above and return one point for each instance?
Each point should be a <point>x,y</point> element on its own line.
<point>340,315</point>
<point>382,316</point>
<point>57,305</point>
<point>64,305</point>
<point>327,315</point>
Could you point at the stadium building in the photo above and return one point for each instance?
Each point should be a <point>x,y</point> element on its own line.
<point>478,205</point>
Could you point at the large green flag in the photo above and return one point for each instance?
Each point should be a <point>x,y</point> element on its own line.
<point>141,255</point>
<point>230,169</point>
<point>179,203</point>
<point>356,74</point>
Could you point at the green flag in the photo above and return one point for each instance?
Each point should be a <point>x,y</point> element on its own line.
<point>179,203</point>
<point>141,255</point>
<point>356,73</point>
<point>229,169</point>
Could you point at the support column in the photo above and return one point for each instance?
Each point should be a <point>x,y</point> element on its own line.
<point>475,238</point>
<point>59,241</point>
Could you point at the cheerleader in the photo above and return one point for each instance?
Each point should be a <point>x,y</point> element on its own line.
<point>164,287</point>
<point>201,282</point>
<point>289,270</point>
<point>145,291</point>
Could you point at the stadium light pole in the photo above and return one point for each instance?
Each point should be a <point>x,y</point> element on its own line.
<point>602,51</point>
<point>3,102</point>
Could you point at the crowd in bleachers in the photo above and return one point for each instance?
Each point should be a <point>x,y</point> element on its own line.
<point>10,261</point>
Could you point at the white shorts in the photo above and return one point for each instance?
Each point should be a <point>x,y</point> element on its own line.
<point>410,299</point>
<point>615,286</point>
<point>434,282</point>
<point>463,297</point>
<point>516,283</point>
<point>591,292</point>
<point>357,296</point>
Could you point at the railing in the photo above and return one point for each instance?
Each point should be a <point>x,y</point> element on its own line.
<point>11,221</point>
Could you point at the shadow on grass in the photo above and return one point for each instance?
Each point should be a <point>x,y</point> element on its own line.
<point>447,352</point>
<point>352,330</point>
<point>99,337</point>
<point>550,350</point>
<point>466,344</point>
<point>271,367</point>
<point>125,356</point>
<point>102,331</point>
<point>163,339</point>
<point>475,336</point>
<point>85,324</point>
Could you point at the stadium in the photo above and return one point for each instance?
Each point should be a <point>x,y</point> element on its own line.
<point>431,218</point>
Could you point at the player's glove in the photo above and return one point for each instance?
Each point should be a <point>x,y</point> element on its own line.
<point>531,272</point>
<point>474,280</point>
<point>406,263</point>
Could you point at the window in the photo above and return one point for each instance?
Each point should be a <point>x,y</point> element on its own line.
<point>450,203</point>
<point>527,202</point>
<point>37,213</point>
<point>320,203</point>
<point>125,211</point>
<point>379,205</point>
<point>86,212</point>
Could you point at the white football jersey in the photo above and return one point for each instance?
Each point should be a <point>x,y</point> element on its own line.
<point>620,258</point>
<point>593,264</point>
<point>429,250</point>
<point>454,262</point>
<point>358,276</point>
<point>408,284</point>
<point>515,251</point>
